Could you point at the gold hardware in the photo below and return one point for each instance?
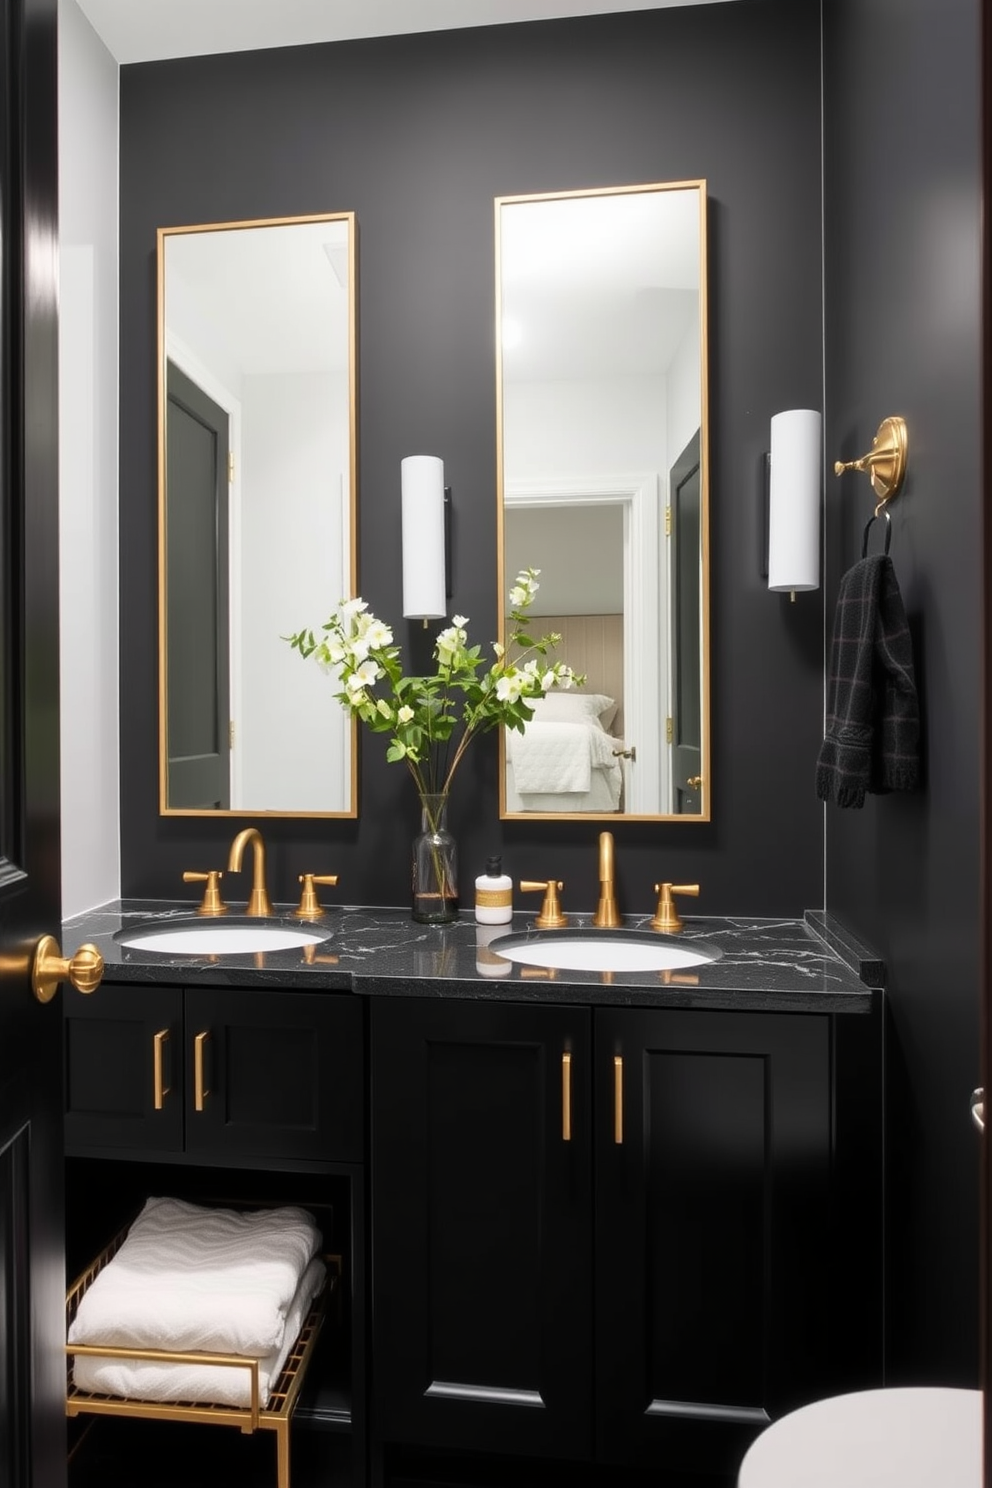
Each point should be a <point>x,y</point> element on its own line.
<point>669,730</point>
<point>666,917</point>
<point>259,904</point>
<point>550,916</point>
<point>885,462</point>
<point>630,753</point>
<point>161,1089</point>
<point>607,915</point>
<point>539,973</point>
<point>694,782</point>
<point>200,1090</point>
<point>668,521</point>
<point>566,1097</point>
<point>212,903</point>
<point>49,967</point>
<point>618,1099</point>
<point>309,906</point>
<point>230,467</point>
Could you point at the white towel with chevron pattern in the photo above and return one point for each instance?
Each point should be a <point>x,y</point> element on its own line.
<point>199,1384</point>
<point>189,1278</point>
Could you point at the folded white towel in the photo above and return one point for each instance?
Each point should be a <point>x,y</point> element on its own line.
<point>190,1278</point>
<point>201,1384</point>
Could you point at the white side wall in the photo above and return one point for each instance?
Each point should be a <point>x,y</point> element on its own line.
<point>88,389</point>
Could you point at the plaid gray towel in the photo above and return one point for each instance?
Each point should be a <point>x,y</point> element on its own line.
<point>871,742</point>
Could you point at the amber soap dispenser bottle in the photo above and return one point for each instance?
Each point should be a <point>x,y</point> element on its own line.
<point>494,894</point>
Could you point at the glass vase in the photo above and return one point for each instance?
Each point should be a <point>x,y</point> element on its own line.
<point>435,865</point>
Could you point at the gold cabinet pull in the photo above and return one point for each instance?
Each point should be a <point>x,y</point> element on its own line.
<point>161,1089</point>
<point>618,1099</point>
<point>566,1097</point>
<point>200,1090</point>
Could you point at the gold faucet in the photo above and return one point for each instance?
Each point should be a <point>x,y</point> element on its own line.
<point>607,915</point>
<point>259,904</point>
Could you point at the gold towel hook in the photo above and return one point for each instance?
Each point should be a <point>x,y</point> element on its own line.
<point>885,462</point>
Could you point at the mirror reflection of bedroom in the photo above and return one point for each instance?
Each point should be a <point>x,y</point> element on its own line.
<point>570,757</point>
<point>602,486</point>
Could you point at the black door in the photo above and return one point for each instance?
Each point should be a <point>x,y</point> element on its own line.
<point>32,1280</point>
<point>198,712</point>
<point>686,640</point>
<point>482,1255</point>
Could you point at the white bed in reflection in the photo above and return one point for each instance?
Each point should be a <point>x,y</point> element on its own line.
<point>566,759</point>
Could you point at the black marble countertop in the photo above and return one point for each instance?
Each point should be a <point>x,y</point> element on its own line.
<point>808,965</point>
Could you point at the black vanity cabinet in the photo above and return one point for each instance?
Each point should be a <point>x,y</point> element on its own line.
<point>214,1074</point>
<point>599,1233</point>
<point>482,1258</point>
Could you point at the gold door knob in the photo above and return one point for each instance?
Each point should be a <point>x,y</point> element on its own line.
<point>694,782</point>
<point>84,970</point>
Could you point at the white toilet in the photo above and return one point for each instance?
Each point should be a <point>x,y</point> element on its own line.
<point>891,1438</point>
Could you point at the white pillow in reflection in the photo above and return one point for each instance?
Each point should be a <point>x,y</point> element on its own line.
<point>575,707</point>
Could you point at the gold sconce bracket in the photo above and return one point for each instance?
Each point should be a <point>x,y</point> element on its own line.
<point>885,462</point>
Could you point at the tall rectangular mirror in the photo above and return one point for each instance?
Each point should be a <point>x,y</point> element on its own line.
<point>602,481</point>
<point>257,500</point>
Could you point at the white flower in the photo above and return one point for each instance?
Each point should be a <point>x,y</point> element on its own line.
<point>460,621</point>
<point>526,586</point>
<point>510,686</point>
<point>378,634</point>
<point>449,644</point>
<point>549,679</point>
<point>404,714</point>
<point>383,708</point>
<point>349,610</point>
<point>499,650</point>
<point>363,677</point>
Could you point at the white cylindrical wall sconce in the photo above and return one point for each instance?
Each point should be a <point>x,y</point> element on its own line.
<point>422,500</point>
<point>795,477</point>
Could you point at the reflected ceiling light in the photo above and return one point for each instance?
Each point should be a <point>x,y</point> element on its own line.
<point>423,501</point>
<point>795,474</point>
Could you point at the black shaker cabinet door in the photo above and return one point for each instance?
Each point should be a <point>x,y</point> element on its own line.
<point>712,1229</point>
<point>123,1070</point>
<point>274,1075</point>
<point>482,1262</point>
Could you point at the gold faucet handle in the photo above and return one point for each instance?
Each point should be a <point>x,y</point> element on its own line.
<point>550,917</point>
<point>666,916</point>
<point>310,906</point>
<point>211,903</point>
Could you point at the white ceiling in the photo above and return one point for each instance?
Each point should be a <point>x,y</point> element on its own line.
<point>151,30</point>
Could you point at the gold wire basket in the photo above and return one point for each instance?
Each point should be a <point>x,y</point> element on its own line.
<point>275,1416</point>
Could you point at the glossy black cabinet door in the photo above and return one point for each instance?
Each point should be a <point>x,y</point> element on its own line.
<point>274,1075</point>
<point>713,1143</point>
<point>481,1194</point>
<point>123,1070</point>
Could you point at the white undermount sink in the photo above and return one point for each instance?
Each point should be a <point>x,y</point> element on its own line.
<point>603,950</point>
<point>208,937</point>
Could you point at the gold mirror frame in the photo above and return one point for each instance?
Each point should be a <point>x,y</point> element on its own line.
<point>633,496</point>
<point>316,734</point>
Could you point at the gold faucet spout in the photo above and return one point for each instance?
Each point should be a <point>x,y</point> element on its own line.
<point>607,915</point>
<point>259,903</point>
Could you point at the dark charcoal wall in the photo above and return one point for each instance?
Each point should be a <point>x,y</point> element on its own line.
<point>417,135</point>
<point>902,213</point>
